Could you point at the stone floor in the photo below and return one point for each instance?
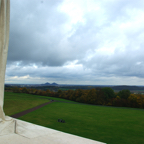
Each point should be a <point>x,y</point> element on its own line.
<point>28,133</point>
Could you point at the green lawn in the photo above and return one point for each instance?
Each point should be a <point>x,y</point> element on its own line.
<point>61,99</point>
<point>106,124</point>
<point>28,96</point>
<point>17,102</point>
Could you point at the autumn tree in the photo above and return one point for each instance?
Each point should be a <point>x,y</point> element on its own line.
<point>25,90</point>
<point>124,94</point>
<point>108,92</point>
<point>16,90</point>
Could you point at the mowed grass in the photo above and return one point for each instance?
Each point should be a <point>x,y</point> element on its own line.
<point>106,124</point>
<point>61,99</point>
<point>17,102</point>
<point>11,95</point>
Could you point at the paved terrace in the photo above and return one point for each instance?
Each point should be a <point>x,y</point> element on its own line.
<point>28,133</point>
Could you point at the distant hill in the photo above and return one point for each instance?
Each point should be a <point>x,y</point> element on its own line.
<point>54,83</point>
<point>49,84</point>
<point>127,87</point>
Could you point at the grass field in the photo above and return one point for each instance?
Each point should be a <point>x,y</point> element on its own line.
<point>106,124</point>
<point>17,102</point>
<point>60,99</point>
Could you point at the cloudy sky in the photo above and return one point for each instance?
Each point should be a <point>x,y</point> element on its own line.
<point>97,42</point>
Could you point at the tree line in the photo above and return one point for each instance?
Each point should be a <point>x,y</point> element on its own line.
<point>96,96</point>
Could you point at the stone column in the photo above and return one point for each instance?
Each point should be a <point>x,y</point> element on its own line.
<point>4,41</point>
<point>7,124</point>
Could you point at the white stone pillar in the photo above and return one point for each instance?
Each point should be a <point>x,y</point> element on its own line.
<point>7,124</point>
<point>4,41</point>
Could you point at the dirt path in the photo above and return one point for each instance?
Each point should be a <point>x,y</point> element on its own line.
<point>30,110</point>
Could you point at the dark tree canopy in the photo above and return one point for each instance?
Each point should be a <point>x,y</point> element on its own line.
<point>108,92</point>
<point>124,94</point>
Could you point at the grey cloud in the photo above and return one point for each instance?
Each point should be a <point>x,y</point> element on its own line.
<point>128,63</point>
<point>38,36</point>
<point>36,32</point>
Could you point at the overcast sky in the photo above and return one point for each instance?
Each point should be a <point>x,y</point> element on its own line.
<point>97,42</point>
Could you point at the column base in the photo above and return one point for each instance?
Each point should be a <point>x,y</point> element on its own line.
<point>7,126</point>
